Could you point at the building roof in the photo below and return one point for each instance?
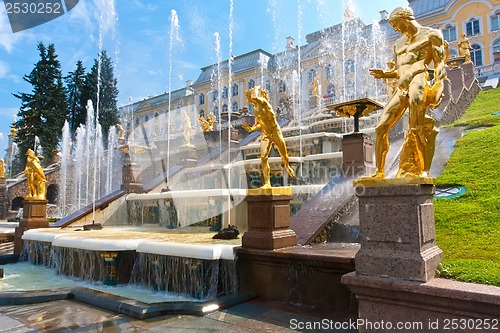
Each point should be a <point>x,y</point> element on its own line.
<point>426,7</point>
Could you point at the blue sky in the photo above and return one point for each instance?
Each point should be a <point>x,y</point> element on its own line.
<point>137,36</point>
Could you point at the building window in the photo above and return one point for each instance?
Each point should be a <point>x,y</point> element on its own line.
<point>156,114</point>
<point>215,95</point>
<point>137,121</point>
<point>281,86</point>
<point>496,46</point>
<point>476,55</point>
<point>251,83</point>
<point>349,66</point>
<point>235,90</point>
<point>224,108</point>
<point>495,21</point>
<point>234,108</point>
<point>328,72</point>
<point>330,90</point>
<point>225,92</point>
<point>268,86</point>
<point>216,112</point>
<point>453,52</point>
<point>202,113</point>
<point>311,75</point>
<point>146,118</point>
<point>202,99</point>
<point>450,33</point>
<point>472,27</point>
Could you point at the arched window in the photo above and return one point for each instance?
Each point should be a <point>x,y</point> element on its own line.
<point>453,52</point>
<point>495,21</point>
<point>224,108</point>
<point>202,99</point>
<point>225,92</point>
<point>329,72</point>
<point>496,46</point>
<point>202,113</point>
<point>216,112</point>
<point>281,86</point>
<point>137,121</point>
<point>450,33</point>
<point>251,83</point>
<point>235,90</point>
<point>311,75</point>
<point>234,107</point>
<point>215,94</point>
<point>156,114</point>
<point>473,27</point>
<point>330,90</point>
<point>476,55</point>
<point>268,86</point>
<point>349,66</point>
<point>146,118</point>
<point>281,102</point>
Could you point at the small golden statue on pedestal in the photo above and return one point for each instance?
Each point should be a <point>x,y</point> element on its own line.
<point>35,177</point>
<point>2,168</point>
<point>265,121</point>
<point>464,48</point>
<point>418,48</point>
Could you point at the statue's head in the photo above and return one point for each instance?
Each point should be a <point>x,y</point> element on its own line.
<point>401,14</point>
<point>30,153</point>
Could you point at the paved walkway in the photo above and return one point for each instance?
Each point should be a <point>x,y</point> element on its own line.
<point>72,316</point>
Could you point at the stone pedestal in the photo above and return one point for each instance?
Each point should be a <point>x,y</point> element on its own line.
<point>398,238</point>
<point>357,154</point>
<point>269,219</point>
<point>34,216</point>
<point>130,181</point>
<point>189,156</point>
<point>3,199</point>
<point>313,102</point>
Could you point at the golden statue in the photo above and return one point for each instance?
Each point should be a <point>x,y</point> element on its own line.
<point>2,168</point>
<point>121,132</point>
<point>265,121</point>
<point>315,85</point>
<point>414,52</point>
<point>464,48</point>
<point>35,177</point>
<point>187,129</point>
<point>207,125</point>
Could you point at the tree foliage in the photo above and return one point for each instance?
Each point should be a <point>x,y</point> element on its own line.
<point>75,88</point>
<point>43,110</point>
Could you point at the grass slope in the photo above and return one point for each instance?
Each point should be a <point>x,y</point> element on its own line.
<point>468,227</point>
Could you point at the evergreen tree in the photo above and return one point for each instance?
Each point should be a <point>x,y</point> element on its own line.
<point>108,92</point>
<point>77,112</point>
<point>43,111</point>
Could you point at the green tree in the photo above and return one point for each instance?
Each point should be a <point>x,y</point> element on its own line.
<point>43,111</point>
<point>75,86</point>
<point>108,92</point>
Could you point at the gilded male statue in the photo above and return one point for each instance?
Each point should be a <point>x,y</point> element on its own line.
<point>2,168</point>
<point>35,177</point>
<point>414,52</point>
<point>265,121</point>
<point>464,48</point>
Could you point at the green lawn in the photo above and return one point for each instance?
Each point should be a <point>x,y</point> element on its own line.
<point>468,227</point>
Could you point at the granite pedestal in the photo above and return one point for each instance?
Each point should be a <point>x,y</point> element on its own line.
<point>357,154</point>
<point>269,219</point>
<point>34,216</point>
<point>398,238</point>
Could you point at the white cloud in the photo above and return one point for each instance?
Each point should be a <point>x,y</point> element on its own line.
<point>4,69</point>
<point>148,8</point>
<point>7,38</point>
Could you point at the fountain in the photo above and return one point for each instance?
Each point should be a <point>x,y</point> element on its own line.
<point>157,230</point>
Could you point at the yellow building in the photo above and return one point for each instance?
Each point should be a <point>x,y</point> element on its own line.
<point>479,20</point>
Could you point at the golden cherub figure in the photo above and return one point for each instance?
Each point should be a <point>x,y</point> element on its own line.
<point>414,52</point>
<point>35,177</point>
<point>265,121</point>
